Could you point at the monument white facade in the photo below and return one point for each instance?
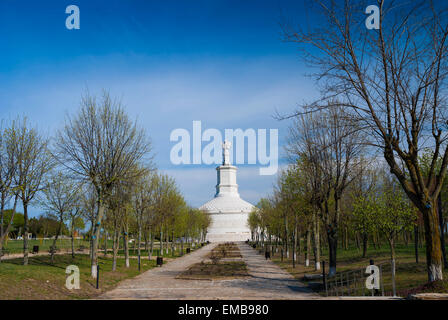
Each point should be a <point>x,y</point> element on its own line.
<point>228,212</point>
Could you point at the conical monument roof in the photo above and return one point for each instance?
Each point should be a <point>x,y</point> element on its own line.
<point>227,198</point>
<point>227,204</point>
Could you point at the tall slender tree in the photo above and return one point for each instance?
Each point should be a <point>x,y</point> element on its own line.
<point>100,144</point>
<point>60,196</point>
<point>8,169</point>
<point>34,161</point>
<point>394,80</point>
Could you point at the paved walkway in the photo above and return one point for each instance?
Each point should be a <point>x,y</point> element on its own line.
<point>266,281</point>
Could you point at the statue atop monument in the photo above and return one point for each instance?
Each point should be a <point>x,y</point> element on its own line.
<point>227,211</point>
<point>226,154</point>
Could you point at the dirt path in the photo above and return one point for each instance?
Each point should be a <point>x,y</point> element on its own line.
<point>266,281</point>
<point>42,253</point>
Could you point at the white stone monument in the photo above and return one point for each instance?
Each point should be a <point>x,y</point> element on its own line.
<point>228,212</point>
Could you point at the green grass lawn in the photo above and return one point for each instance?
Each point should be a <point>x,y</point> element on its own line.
<point>42,280</point>
<point>410,276</point>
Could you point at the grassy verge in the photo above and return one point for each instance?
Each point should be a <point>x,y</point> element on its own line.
<point>42,280</point>
<point>410,276</point>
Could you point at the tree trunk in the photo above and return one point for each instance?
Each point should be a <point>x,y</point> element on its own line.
<point>364,244</point>
<point>308,246</point>
<point>138,245</point>
<point>2,213</point>
<point>53,249</point>
<point>358,246</point>
<point>421,236</point>
<point>377,241</point>
<point>342,237</point>
<point>316,247</point>
<point>405,238</point>
<point>126,248</point>
<point>262,239</point>
<point>25,233</point>
<point>347,244</point>
<point>294,246</point>
<point>73,236</point>
<point>392,255</point>
<point>166,242</point>
<point>286,236</point>
<point>442,231</point>
<point>96,235</point>
<point>5,233</point>
<point>151,246</point>
<point>332,246</point>
<point>433,245</point>
<point>92,222</point>
<point>146,241</point>
<point>161,244</point>
<point>105,243</point>
<point>416,242</point>
<point>374,242</point>
<point>115,247</point>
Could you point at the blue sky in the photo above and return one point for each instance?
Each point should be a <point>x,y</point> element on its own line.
<point>170,62</point>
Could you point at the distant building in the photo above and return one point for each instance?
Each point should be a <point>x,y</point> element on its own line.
<point>229,213</point>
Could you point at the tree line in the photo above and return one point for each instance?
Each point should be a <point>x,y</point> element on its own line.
<point>371,152</point>
<point>98,167</point>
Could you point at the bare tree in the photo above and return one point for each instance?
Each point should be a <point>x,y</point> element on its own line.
<point>88,204</point>
<point>114,218</point>
<point>60,198</point>
<point>343,142</point>
<point>101,145</point>
<point>291,191</point>
<point>361,188</point>
<point>328,142</point>
<point>34,161</point>
<point>75,214</point>
<point>142,205</point>
<point>150,218</point>
<point>394,79</point>
<point>8,168</point>
<point>305,148</point>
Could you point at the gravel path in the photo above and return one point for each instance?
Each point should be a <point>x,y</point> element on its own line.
<point>266,281</point>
